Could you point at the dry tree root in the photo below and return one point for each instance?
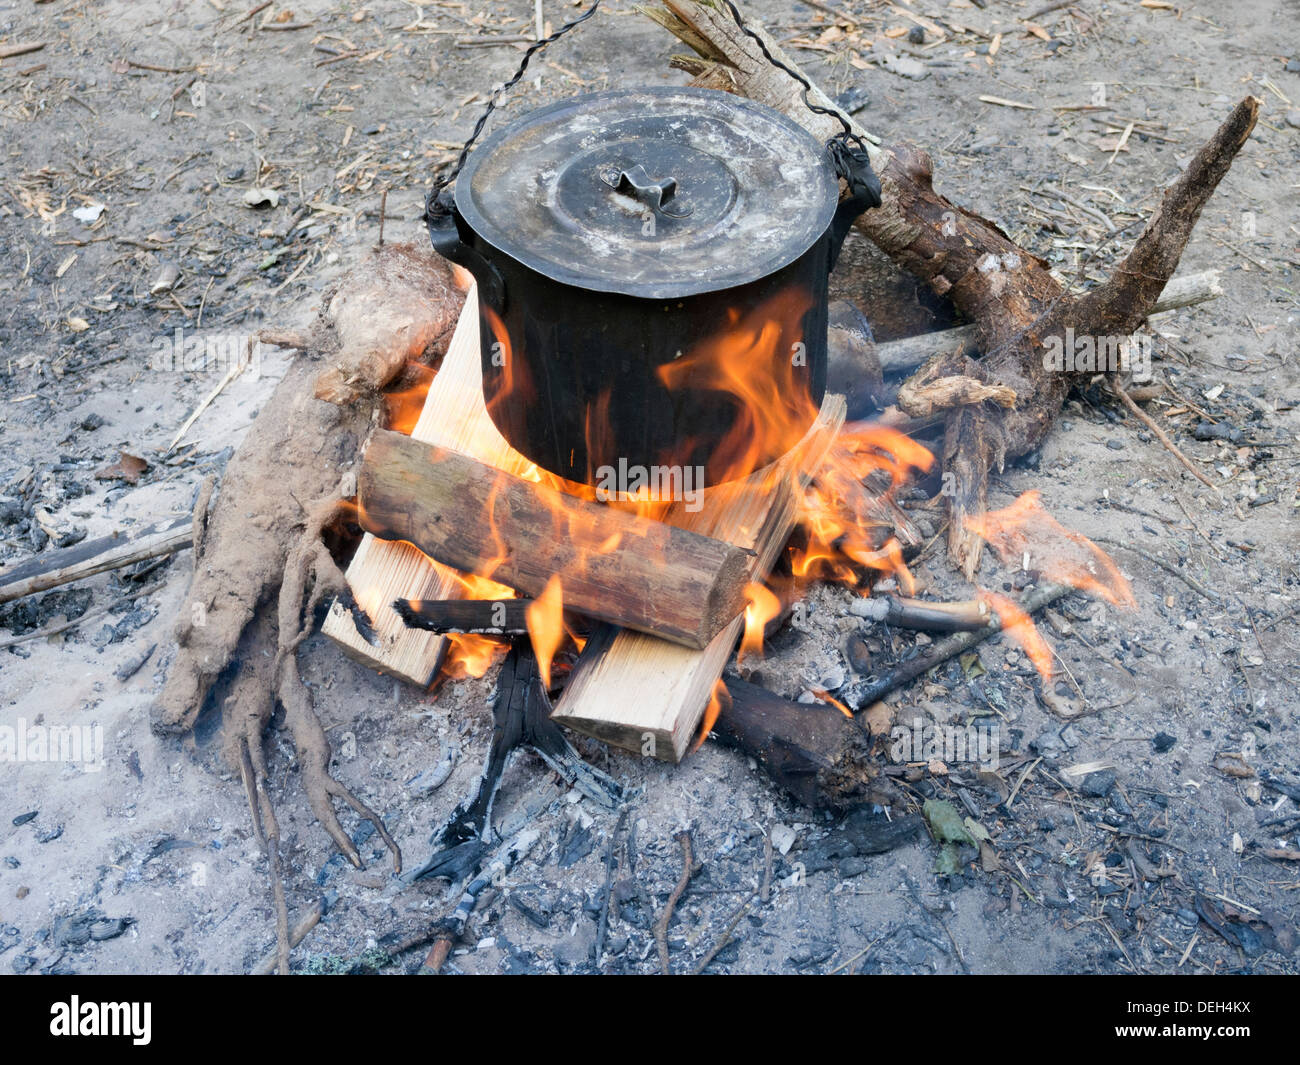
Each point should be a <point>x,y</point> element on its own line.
<point>1011,296</point>
<point>260,565</point>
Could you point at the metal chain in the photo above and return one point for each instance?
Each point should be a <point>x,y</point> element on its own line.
<point>431,205</point>
<point>846,133</point>
<point>844,144</point>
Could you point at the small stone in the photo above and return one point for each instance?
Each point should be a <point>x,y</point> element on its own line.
<point>22,819</point>
<point>91,422</point>
<point>1162,742</point>
<point>916,35</point>
<point>1187,918</point>
<point>1099,784</point>
<point>783,837</point>
<point>1115,445</point>
<point>1047,742</point>
<point>1293,119</point>
<point>1293,65</point>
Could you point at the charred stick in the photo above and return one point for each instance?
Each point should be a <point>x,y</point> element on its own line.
<point>451,928</point>
<point>488,617</point>
<point>521,717</point>
<point>901,612</point>
<point>93,556</point>
<point>876,688</point>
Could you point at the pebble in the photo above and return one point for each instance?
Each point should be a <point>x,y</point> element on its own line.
<point>1162,742</point>
<point>1098,784</point>
<point>1115,445</point>
<point>1293,119</point>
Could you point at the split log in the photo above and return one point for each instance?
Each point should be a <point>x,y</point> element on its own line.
<point>816,753</point>
<point>91,557</point>
<point>646,695</point>
<point>1011,296</point>
<point>612,564</point>
<point>381,571</point>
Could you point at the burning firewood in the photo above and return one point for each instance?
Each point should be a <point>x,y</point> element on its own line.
<point>1009,293</point>
<point>484,617</point>
<point>612,565</point>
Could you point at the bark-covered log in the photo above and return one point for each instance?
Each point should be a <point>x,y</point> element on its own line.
<point>1014,302</point>
<point>612,564</point>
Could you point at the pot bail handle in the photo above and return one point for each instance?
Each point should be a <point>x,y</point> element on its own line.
<point>436,205</point>
<point>853,166</point>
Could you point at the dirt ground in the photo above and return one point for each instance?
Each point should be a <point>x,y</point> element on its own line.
<point>131,142</point>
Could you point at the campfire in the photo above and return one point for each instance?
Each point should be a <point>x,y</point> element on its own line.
<point>586,444</point>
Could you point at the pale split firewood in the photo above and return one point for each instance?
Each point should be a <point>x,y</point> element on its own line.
<point>647,695</point>
<point>382,571</point>
<point>90,557</point>
<point>612,565</point>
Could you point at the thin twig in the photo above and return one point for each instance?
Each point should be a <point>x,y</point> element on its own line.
<point>661,926</point>
<point>1160,434</point>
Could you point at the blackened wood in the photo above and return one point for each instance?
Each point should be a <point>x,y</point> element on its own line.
<point>814,751</point>
<point>488,617</point>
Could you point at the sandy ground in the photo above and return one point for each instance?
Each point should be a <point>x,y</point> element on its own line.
<point>1098,873</point>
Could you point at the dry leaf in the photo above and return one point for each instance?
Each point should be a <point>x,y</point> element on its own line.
<point>127,468</point>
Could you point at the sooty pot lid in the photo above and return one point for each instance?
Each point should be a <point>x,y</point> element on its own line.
<point>657,192</point>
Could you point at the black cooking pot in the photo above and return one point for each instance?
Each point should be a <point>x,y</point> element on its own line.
<point>652,270</point>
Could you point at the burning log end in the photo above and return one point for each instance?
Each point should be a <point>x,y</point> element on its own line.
<point>813,751</point>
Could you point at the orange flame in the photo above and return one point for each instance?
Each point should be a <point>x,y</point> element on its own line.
<point>545,616</point>
<point>719,700</point>
<point>756,360</point>
<point>827,697</point>
<point>843,509</point>
<point>470,655</point>
<point>1025,530</point>
<point>403,406</point>
<point>762,606</point>
<point>1020,630</point>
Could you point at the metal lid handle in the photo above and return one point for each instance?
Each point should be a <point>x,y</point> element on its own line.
<point>652,192</point>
